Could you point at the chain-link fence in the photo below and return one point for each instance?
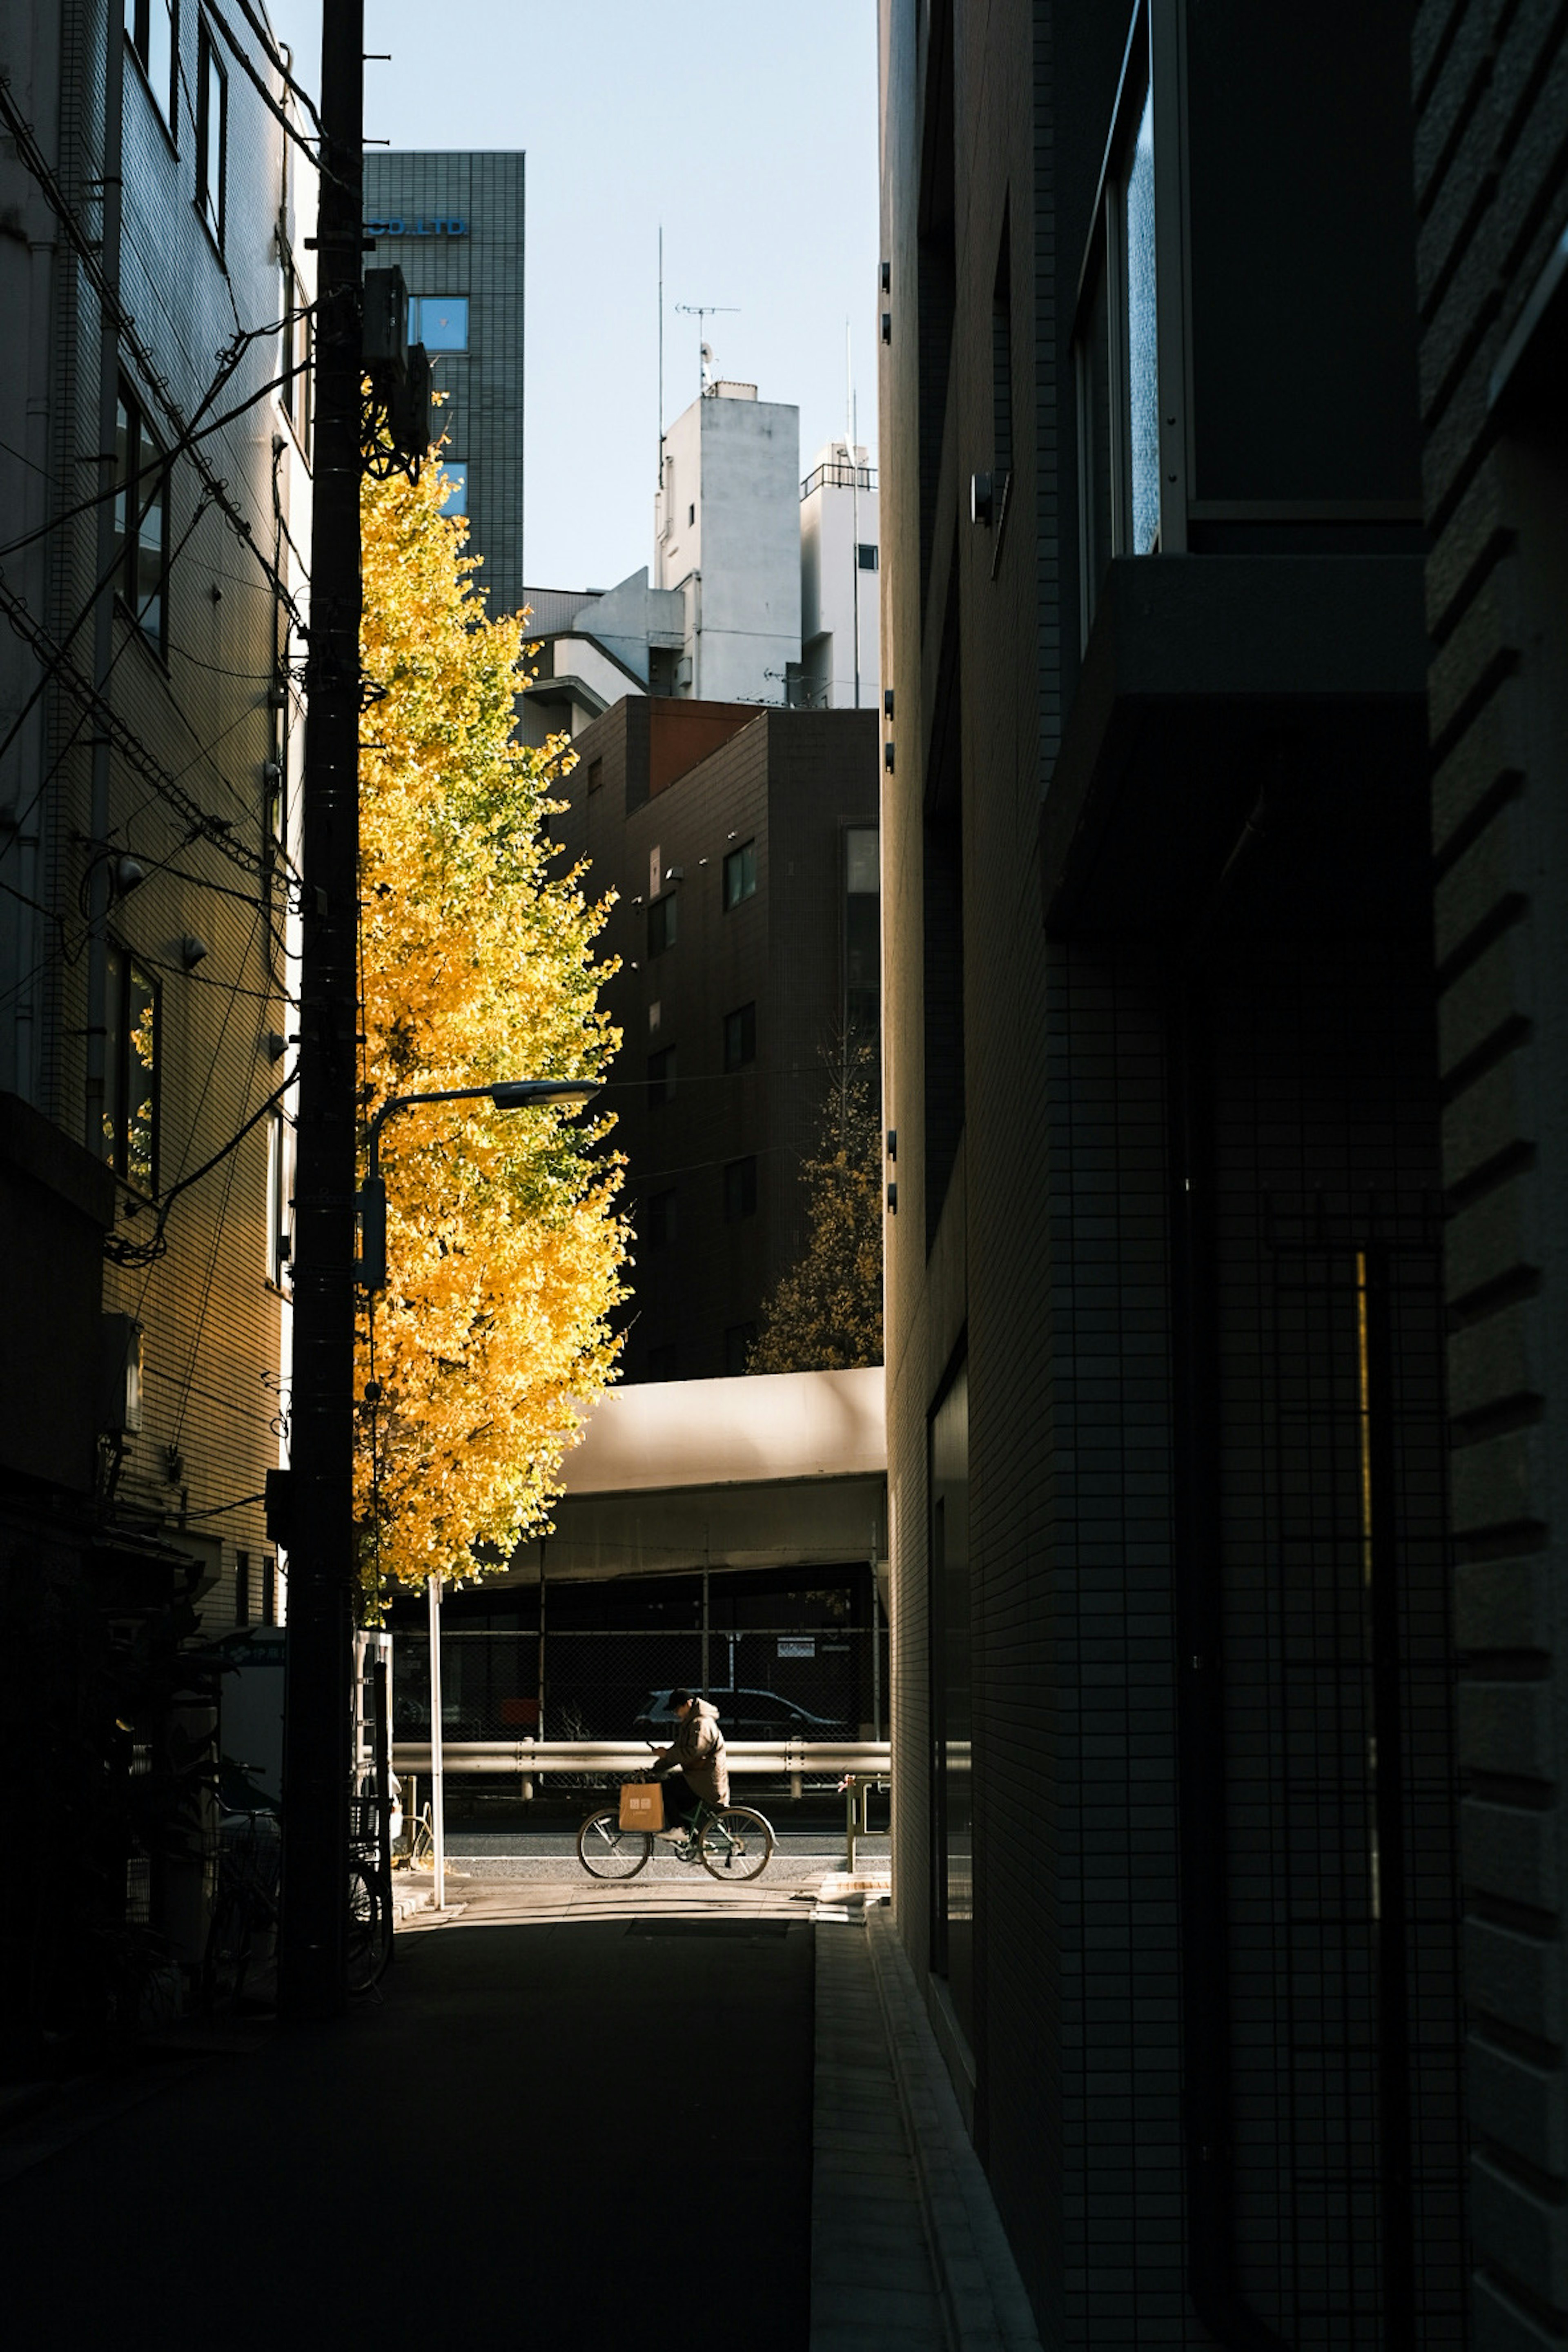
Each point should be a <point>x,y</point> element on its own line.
<point>768,1683</point>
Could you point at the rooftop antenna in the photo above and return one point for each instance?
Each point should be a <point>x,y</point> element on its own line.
<point>661,355</point>
<point>851,419</point>
<point>700,311</point>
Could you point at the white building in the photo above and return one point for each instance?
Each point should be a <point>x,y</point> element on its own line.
<point>840,637</point>
<point>727,539</point>
<point>762,587</point>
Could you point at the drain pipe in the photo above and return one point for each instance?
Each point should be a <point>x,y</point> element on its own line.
<point>1206,2103</point>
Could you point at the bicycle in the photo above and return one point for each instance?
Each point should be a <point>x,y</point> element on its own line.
<point>731,1842</point>
<point>244,1930</point>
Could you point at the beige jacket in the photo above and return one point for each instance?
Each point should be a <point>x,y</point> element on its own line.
<point>697,1750</point>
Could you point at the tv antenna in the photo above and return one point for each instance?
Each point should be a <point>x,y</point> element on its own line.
<point>700,312</point>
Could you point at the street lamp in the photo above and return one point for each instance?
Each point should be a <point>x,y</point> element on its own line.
<point>509,1094</point>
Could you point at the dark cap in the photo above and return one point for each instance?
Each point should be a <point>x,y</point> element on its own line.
<point>681,1699</point>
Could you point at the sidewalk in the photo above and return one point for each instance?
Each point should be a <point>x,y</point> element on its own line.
<point>489,2149</point>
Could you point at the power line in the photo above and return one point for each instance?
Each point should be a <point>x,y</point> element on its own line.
<point>31,154</point>
<point>215,829</point>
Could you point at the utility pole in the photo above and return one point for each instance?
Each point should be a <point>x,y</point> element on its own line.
<point>98,872</point>
<point>319,1506</point>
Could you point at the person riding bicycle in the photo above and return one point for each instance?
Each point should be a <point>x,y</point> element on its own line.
<point>693,1768</point>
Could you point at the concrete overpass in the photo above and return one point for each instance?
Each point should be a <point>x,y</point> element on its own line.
<point>774,1470</point>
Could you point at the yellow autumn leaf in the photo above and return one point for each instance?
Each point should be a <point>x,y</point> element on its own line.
<point>505,1245</point>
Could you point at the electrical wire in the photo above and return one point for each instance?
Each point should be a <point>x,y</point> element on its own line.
<point>129,1252</point>
<point>31,154</point>
<point>165,458</point>
<point>132,751</point>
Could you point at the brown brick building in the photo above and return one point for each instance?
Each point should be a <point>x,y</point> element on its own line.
<point>741,844</point>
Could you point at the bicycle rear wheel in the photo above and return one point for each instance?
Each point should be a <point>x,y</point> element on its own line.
<point>607,1851</point>
<point>736,1844</point>
<point>369,1934</point>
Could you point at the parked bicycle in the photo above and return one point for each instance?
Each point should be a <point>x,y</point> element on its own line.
<point>242,1940</point>
<point>732,1842</point>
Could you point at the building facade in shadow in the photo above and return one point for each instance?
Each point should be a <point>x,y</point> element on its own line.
<point>1175,1853</point>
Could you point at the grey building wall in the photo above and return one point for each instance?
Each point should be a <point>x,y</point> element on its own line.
<point>482,414</point>
<point>207,745</point>
<point>1491,181</point>
<point>1159,1144</point>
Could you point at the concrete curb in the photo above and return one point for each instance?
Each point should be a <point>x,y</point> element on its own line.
<point>982,2297</point>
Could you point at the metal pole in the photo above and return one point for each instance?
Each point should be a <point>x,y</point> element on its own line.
<point>437,1774</point>
<point>875,1650</point>
<point>321,1560</point>
<point>537,1784</point>
<point>98,862</point>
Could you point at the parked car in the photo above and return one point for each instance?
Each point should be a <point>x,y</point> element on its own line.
<point>745,1715</point>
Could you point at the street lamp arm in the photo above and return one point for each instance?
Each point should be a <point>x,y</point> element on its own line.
<point>506,1093</point>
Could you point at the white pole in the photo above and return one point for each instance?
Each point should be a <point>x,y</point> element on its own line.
<point>438,1784</point>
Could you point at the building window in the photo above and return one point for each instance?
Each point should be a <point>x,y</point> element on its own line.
<point>277,1198</point>
<point>663,1363</point>
<point>739,875</point>
<point>296,357</point>
<point>242,1588</point>
<point>212,130</point>
<point>739,1190</point>
<point>148,27</point>
<point>595,774</point>
<point>1116,357</point>
<point>948,1619</point>
<point>439,322</point>
<point>659,1220</point>
<point>662,924</point>
<point>866,549</point>
<point>740,1037</point>
<point>690,517</point>
<point>141,520</point>
<point>862,930</point>
<point>130,1072</point>
<point>1002,362</point>
<point>1143,370</point>
<point>740,1338</point>
<point>661,1076</point>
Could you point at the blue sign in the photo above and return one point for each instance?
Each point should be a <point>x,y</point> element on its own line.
<point>397,227</point>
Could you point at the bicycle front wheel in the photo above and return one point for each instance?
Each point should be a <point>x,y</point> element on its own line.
<point>607,1851</point>
<point>369,1937</point>
<point>736,1844</point>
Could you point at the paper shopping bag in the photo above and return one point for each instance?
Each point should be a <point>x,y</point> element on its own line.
<point>642,1806</point>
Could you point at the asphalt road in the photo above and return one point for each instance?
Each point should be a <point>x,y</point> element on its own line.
<point>491,2156</point>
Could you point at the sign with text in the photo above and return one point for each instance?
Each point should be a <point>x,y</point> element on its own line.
<point>395,225</point>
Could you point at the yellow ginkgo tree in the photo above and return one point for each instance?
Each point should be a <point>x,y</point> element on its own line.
<point>504,1241</point>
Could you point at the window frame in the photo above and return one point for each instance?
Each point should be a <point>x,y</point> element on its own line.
<point>743,1170</point>
<point>663,924</point>
<point>416,332</point>
<point>138,18</point>
<point>211,67</point>
<point>663,1076</point>
<point>297,391</point>
<point>125,969</point>
<point>746,1053</point>
<point>1150,70</point>
<point>733,861</point>
<point>137,434</point>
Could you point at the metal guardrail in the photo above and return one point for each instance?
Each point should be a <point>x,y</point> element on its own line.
<point>871,1759</point>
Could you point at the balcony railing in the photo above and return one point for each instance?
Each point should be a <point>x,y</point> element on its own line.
<point>839,474</point>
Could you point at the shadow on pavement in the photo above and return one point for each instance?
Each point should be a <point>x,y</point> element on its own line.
<point>600,2129</point>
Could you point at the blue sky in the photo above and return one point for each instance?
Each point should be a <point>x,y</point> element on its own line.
<point>749,129</point>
